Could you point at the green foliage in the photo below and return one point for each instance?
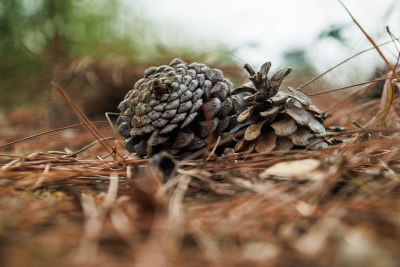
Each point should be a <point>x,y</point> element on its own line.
<point>36,35</point>
<point>35,26</point>
<point>334,32</point>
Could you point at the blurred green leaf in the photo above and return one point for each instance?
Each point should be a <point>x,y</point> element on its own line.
<point>334,32</point>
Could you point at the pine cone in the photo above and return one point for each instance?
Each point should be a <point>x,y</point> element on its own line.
<point>174,108</point>
<point>277,119</point>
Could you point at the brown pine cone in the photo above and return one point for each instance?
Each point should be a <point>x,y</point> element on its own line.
<point>174,108</point>
<point>277,119</point>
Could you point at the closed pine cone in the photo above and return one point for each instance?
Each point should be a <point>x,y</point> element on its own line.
<point>277,119</point>
<point>174,108</point>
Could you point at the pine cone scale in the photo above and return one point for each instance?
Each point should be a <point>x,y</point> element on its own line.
<point>266,143</point>
<point>170,106</point>
<point>278,119</point>
<point>284,127</point>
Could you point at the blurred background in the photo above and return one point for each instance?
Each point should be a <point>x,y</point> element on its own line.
<point>96,50</point>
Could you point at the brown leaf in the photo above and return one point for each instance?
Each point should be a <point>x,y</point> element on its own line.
<point>296,168</point>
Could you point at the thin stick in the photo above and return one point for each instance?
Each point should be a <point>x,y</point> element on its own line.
<point>111,125</point>
<point>89,125</point>
<point>387,106</point>
<point>393,38</point>
<point>215,148</point>
<point>93,130</point>
<point>86,147</point>
<point>362,128</point>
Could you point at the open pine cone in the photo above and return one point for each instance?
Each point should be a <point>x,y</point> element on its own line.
<point>277,119</point>
<point>174,108</point>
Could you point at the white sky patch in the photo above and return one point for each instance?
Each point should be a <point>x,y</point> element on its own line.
<point>264,30</point>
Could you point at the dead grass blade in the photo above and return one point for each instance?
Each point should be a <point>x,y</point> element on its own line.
<point>350,86</point>
<point>393,38</point>
<point>93,224</point>
<point>367,35</point>
<point>389,84</point>
<point>388,93</point>
<point>344,61</point>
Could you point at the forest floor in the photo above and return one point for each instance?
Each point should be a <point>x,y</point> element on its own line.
<point>337,206</point>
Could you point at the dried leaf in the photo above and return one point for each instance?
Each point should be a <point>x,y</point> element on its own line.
<point>292,169</point>
<point>387,96</point>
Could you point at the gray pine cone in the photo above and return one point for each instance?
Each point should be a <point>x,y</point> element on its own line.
<point>174,108</point>
<point>277,119</point>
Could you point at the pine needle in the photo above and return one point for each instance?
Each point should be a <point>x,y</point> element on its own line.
<point>389,84</point>
<point>47,132</point>
<point>368,37</point>
<point>349,86</point>
<point>344,61</point>
<point>89,125</point>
